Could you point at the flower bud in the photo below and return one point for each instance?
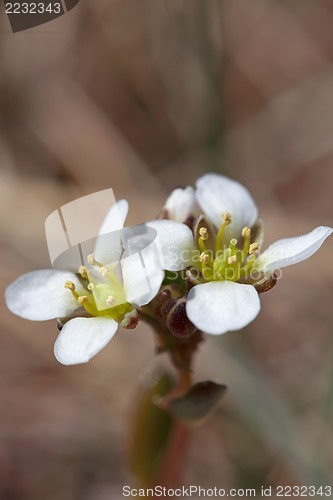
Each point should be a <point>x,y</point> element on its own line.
<point>266,284</point>
<point>178,322</point>
<point>130,320</point>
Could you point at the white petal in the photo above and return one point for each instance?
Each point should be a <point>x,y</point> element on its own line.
<point>82,338</point>
<point>290,251</point>
<point>40,295</point>
<point>142,265</point>
<point>181,204</point>
<point>177,244</point>
<point>136,238</point>
<point>115,218</point>
<point>220,306</point>
<point>108,243</point>
<point>140,284</point>
<point>107,249</point>
<point>218,194</point>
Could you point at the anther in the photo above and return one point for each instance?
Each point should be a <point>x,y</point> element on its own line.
<point>204,258</point>
<point>91,259</point>
<point>253,248</point>
<point>233,242</point>
<point>226,217</point>
<point>70,285</point>
<point>83,271</point>
<point>232,259</point>
<point>83,299</point>
<point>203,233</point>
<point>110,300</point>
<point>104,271</point>
<point>246,232</point>
<point>91,286</point>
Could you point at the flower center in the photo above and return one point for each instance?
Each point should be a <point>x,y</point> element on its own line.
<point>226,262</point>
<point>104,294</point>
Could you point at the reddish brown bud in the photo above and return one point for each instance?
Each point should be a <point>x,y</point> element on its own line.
<point>189,221</point>
<point>266,284</point>
<point>178,322</point>
<point>130,320</point>
<point>165,300</point>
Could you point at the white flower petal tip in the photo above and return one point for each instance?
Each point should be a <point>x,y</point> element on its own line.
<point>290,251</point>
<point>40,295</point>
<point>217,194</point>
<point>176,243</point>
<point>181,204</point>
<point>222,306</point>
<point>108,243</point>
<point>82,338</point>
<point>115,218</point>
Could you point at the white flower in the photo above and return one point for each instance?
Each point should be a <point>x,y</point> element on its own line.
<point>125,271</point>
<point>227,267</point>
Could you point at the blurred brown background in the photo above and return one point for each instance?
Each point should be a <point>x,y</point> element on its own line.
<point>141,97</point>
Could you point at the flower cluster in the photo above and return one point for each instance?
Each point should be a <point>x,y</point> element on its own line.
<point>227,269</point>
<point>207,276</point>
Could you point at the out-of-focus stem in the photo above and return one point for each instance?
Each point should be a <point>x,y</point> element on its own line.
<point>183,386</point>
<point>171,472</point>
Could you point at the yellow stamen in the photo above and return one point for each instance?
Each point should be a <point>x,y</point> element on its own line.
<point>204,258</point>
<point>91,259</point>
<point>83,272</point>
<point>93,262</point>
<point>203,237</point>
<point>226,220</point>
<point>232,259</point>
<point>204,233</point>
<point>253,248</point>
<point>83,299</point>
<point>100,302</point>
<point>246,232</point>
<point>70,285</point>
<point>104,271</point>
<point>205,267</point>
